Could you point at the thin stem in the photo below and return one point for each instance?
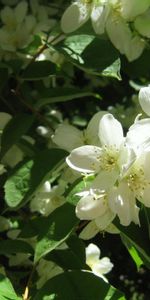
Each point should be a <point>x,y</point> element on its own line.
<point>29,283</point>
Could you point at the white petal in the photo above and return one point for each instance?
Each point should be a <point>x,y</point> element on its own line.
<point>74,17</point>
<point>89,231</point>
<point>105,180</point>
<point>144,99</point>
<point>91,207</point>
<point>122,202</point>
<point>132,8</point>
<point>21,11</point>
<point>112,229</point>
<point>92,254</point>
<point>138,135</point>
<point>92,130</point>
<point>7,15</point>
<point>104,221</point>
<point>135,48</point>
<point>110,131</point>
<point>99,16</point>
<point>84,159</point>
<point>104,266</point>
<point>142,24</point>
<point>68,137</point>
<point>118,32</point>
<point>127,157</point>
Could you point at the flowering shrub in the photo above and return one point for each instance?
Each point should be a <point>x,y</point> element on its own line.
<point>74,146</point>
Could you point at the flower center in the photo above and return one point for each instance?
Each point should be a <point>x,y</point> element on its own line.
<point>137,181</point>
<point>108,158</point>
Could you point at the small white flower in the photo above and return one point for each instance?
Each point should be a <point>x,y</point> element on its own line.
<point>99,267</point>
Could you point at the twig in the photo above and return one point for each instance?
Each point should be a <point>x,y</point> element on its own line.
<point>29,282</point>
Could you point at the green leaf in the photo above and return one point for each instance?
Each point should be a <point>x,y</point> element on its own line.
<point>18,184</point>
<point>77,285</point>
<point>55,229</point>
<point>72,258</point>
<point>38,70</point>
<point>26,178</point>
<point>132,250</point>
<point>15,246</point>
<point>61,95</point>
<point>75,188</point>
<point>138,237</point>
<point>95,55</point>
<point>14,130</point>
<point>7,291</point>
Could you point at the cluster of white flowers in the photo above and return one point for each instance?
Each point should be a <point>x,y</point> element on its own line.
<point>126,22</point>
<point>118,164</point>
<point>20,24</point>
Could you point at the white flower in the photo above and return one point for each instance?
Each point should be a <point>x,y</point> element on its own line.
<point>144,99</point>
<point>92,205</point>
<point>12,18</point>
<point>138,136</point>
<point>68,137</point>
<point>48,198</point>
<point>99,267</point>
<point>80,12</point>
<point>134,185</point>
<point>122,37</point>
<point>112,156</point>
<point>94,202</point>
<point>123,203</point>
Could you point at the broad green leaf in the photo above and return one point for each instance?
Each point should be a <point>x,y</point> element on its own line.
<point>54,95</point>
<point>14,130</point>
<point>55,229</point>
<point>38,70</point>
<point>15,246</point>
<point>28,176</point>
<point>18,183</point>
<point>95,55</point>
<point>7,291</point>
<point>72,258</point>
<point>76,285</point>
